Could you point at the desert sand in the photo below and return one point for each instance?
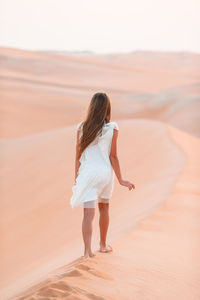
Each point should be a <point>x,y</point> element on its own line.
<point>154,230</point>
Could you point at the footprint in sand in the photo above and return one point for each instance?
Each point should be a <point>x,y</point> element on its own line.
<point>94,297</point>
<point>61,285</point>
<point>94,272</point>
<point>56,290</point>
<point>89,295</point>
<point>48,292</point>
<point>72,273</point>
<point>61,290</point>
<point>72,297</point>
<point>83,267</point>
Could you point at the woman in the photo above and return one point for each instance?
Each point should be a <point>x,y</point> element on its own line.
<point>96,158</point>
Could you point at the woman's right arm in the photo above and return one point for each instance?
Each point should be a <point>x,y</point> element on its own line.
<point>115,162</point>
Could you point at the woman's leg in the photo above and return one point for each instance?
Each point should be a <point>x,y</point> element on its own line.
<point>103,224</point>
<point>89,212</point>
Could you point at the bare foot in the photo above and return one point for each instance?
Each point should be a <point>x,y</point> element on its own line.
<point>90,254</point>
<point>105,249</point>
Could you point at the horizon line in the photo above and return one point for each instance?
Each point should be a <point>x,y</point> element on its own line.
<point>91,52</point>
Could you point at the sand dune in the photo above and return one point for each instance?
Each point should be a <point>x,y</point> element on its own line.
<point>157,259</point>
<point>154,229</point>
<point>39,89</point>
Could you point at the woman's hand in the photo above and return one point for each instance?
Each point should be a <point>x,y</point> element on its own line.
<point>128,184</point>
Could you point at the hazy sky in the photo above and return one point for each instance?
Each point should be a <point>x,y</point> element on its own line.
<point>101,25</point>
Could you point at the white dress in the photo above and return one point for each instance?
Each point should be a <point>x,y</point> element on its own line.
<point>95,175</point>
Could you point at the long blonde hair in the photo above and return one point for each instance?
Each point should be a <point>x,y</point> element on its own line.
<point>99,112</point>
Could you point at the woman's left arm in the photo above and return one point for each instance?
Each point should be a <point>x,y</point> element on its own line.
<point>77,162</point>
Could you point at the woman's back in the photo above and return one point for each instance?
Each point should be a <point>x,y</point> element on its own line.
<point>100,146</point>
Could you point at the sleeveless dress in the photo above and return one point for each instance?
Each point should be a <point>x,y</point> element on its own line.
<point>95,175</point>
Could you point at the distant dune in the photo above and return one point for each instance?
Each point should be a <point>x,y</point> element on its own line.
<point>54,89</point>
<point>154,230</point>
